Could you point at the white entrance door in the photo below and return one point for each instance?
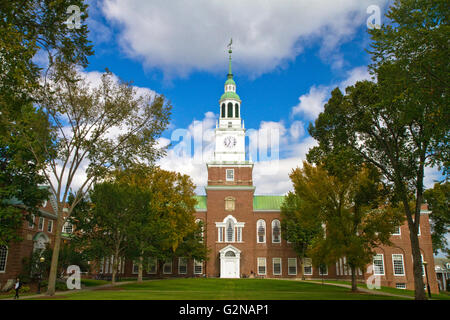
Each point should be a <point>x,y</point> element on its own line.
<point>229,263</point>
<point>230,268</point>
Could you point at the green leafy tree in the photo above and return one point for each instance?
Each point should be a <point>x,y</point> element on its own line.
<point>351,210</point>
<point>28,28</point>
<point>438,199</point>
<point>296,225</point>
<point>95,130</point>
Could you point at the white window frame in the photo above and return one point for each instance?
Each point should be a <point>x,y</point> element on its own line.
<point>258,265</point>
<point>274,260</point>
<point>289,266</point>
<point>273,224</point>
<point>49,226</point>
<point>180,259</point>
<point>393,264</point>
<point>135,268</point>
<point>375,269</point>
<point>231,176</point>
<point>196,265</point>
<point>399,231</point>
<point>167,262</point>
<point>257,231</point>
<point>401,286</point>
<point>220,234</point>
<point>41,223</point>
<point>102,263</point>
<point>66,225</point>
<point>307,262</point>
<point>323,274</point>
<point>5,259</point>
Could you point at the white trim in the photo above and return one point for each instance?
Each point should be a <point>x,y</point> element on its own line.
<point>168,262</point>
<point>41,226</point>
<point>324,274</point>
<point>258,259</point>
<point>273,267</point>
<point>272,225</point>
<point>399,231</point>
<point>307,262</point>
<point>179,265</point>
<point>257,231</point>
<point>49,223</point>
<point>403,264</point>
<point>375,268</point>
<point>198,264</point>
<point>295,264</point>
<point>148,265</point>
<point>232,174</point>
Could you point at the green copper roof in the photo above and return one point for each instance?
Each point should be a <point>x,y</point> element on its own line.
<point>230,95</point>
<point>201,202</point>
<point>267,202</point>
<point>230,81</point>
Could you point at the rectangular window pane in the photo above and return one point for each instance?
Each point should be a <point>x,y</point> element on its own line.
<point>198,267</point>
<point>378,265</point>
<point>276,266</point>
<point>239,234</point>
<point>397,262</point>
<point>182,265</point>
<point>262,266</point>
<point>396,231</point>
<point>292,266</point>
<point>41,223</point>
<point>3,256</point>
<point>220,230</point>
<point>323,270</point>
<point>31,223</point>
<point>307,266</point>
<point>167,268</point>
<point>50,226</point>
<point>230,174</point>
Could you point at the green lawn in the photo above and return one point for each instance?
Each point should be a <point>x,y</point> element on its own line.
<point>221,289</point>
<point>441,296</point>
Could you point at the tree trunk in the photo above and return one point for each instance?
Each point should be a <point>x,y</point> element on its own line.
<point>115,263</point>
<point>55,256</point>
<point>353,271</point>
<point>419,291</point>
<point>140,270</point>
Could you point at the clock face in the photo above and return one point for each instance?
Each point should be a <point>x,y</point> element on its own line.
<point>229,142</point>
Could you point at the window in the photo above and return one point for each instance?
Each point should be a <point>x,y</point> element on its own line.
<point>230,175</point>
<point>423,269</point>
<point>199,221</point>
<point>50,226</point>
<point>236,110</point>
<point>182,265</point>
<point>3,257</point>
<point>230,110</point>
<point>276,231</point>
<point>276,266</point>
<point>223,110</point>
<point>31,223</point>
<point>41,223</point>
<point>230,231</point>
<point>152,265</point>
<point>261,231</point>
<point>292,266</point>
<point>323,270</point>
<point>262,266</point>
<point>400,285</point>
<point>221,234</point>
<point>135,269</point>
<point>397,263</point>
<point>67,227</point>
<point>230,254</point>
<point>396,231</point>
<point>102,262</point>
<point>238,234</point>
<point>378,265</point>
<point>307,267</point>
<point>167,267</point>
<point>198,267</point>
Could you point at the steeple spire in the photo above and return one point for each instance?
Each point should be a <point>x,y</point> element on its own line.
<point>230,74</point>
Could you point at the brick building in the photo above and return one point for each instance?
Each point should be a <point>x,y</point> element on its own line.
<point>242,230</point>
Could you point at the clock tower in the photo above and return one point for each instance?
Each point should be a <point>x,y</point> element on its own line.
<point>229,166</point>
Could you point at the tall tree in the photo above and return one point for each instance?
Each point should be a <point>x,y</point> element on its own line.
<point>401,123</point>
<point>95,130</point>
<point>296,225</point>
<point>438,199</point>
<point>28,28</point>
<point>351,210</point>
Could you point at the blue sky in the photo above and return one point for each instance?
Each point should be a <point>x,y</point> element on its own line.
<point>287,57</point>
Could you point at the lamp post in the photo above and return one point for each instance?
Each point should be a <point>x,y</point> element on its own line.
<point>428,283</point>
<point>41,261</point>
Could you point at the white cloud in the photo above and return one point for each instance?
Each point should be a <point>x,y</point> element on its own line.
<point>180,37</point>
<point>311,104</point>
